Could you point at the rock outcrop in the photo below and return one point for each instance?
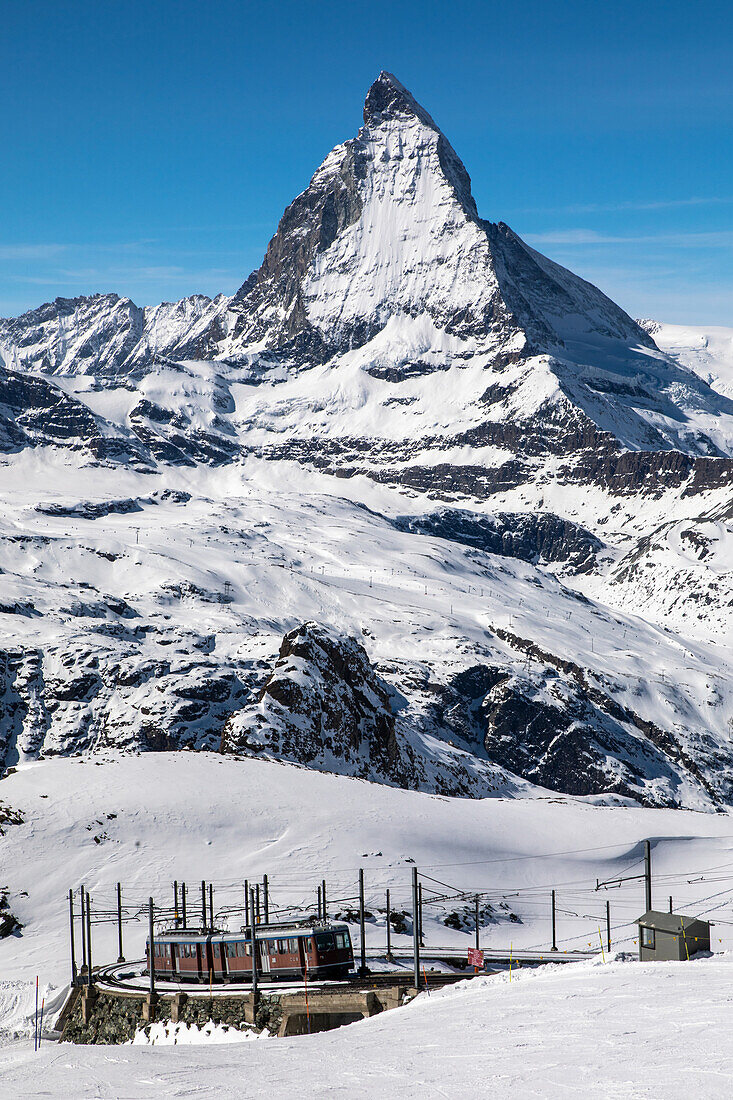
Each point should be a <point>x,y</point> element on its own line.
<point>322,705</point>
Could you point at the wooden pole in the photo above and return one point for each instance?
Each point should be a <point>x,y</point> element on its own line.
<point>89,941</point>
<point>183,903</point>
<point>419,911</point>
<point>415,931</point>
<point>71,928</point>
<point>257,901</point>
<point>211,906</point>
<point>608,926</point>
<point>670,904</point>
<point>323,896</point>
<point>648,874</point>
<point>389,930</point>
<point>175,903</point>
<point>151,941</point>
<point>203,905</point>
<point>253,943</point>
<point>266,898</point>
<point>362,928</point>
<point>554,924</point>
<point>120,956</point>
<point>83,932</point>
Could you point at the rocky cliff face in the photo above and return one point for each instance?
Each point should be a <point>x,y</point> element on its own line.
<point>323,704</point>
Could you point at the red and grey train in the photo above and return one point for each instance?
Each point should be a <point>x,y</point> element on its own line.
<point>322,950</point>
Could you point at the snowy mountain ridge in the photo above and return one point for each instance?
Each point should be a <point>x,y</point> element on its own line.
<point>496,469</point>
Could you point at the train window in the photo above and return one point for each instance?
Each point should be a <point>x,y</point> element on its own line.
<point>242,950</point>
<point>293,947</point>
<point>341,943</point>
<point>324,941</point>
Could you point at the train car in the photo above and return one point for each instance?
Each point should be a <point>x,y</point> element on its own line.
<point>323,949</point>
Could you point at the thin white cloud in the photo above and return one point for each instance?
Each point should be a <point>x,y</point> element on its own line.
<point>579,237</point>
<point>31,251</point>
<point>631,204</point>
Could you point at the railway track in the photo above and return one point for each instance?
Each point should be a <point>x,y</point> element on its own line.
<point>130,978</point>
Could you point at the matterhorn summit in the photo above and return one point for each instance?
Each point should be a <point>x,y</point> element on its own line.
<point>388,231</point>
<point>383,271</point>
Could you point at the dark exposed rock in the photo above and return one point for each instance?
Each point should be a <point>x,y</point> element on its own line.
<point>88,509</point>
<point>537,537</point>
<point>322,701</point>
<point>9,923</point>
<point>565,733</point>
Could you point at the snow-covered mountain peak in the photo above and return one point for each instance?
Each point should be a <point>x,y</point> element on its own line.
<point>388,98</point>
<point>380,270</point>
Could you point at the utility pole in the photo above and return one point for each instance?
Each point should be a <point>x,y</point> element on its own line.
<point>120,956</point>
<point>419,911</point>
<point>83,933</point>
<point>554,924</point>
<point>323,896</point>
<point>415,931</point>
<point>203,906</point>
<point>211,906</point>
<point>71,925</point>
<point>389,930</point>
<point>89,941</point>
<point>266,897</point>
<point>362,929</point>
<point>319,902</point>
<point>183,903</point>
<point>246,903</point>
<point>670,904</point>
<point>151,956</point>
<point>175,903</point>
<point>253,943</point>
<point>648,874</point>
<point>477,928</point>
<point>608,926</point>
<point>257,900</point>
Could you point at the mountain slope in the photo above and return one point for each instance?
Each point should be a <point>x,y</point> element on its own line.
<point>415,389</point>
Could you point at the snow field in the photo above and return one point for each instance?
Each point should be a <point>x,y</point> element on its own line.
<point>193,816</point>
<point>631,1030</point>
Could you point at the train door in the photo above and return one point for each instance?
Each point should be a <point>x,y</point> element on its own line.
<point>263,956</point>
<point>304,944</point>
<point>203,959</point>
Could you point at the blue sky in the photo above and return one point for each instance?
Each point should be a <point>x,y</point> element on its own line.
<point>150,148</point>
